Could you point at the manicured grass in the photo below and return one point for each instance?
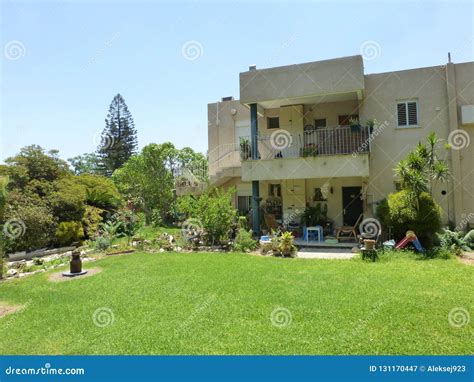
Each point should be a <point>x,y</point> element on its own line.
<point>222,303</point>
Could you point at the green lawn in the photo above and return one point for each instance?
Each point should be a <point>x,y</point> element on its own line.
<point>222,303</point>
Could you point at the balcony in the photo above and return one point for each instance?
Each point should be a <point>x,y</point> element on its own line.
<point>328,152</point>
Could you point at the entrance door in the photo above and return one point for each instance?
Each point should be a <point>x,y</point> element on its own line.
<point>351,204</point>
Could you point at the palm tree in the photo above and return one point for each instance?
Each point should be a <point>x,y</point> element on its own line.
<point>422,167</point>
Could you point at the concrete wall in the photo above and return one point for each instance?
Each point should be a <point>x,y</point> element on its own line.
<point>334,76</point>
<point>464,75</point>
<point>223,148</point>
<point>382,92</point>
<point>306,168</point>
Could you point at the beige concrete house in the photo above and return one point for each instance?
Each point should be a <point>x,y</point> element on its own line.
<point>293,137</point>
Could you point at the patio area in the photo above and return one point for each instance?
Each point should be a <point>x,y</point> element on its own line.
<point>326,253</point>
<point>300,242</point>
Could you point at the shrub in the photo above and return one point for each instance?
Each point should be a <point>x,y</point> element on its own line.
<point>286,245</point>
<point>32,221</point>
<point>403,212</point>
<point>69,232</point>
<point>453,241</point>
<point>213,211</point>
<point>102,243</point>
<point>244,241</point>
<point>67,200</point>
<point>91,221</point>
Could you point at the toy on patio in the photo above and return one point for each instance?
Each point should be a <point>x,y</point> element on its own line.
<point>410,237</point>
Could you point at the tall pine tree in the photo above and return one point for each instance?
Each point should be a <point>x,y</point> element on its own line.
<point>119,138</point>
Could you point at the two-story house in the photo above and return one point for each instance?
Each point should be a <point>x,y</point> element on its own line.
<point>325,132</point>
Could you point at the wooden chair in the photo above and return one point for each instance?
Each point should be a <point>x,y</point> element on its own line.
<point>271,222</point>
<point>347,229</point>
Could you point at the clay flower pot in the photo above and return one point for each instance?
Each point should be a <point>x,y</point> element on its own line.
<point>369,244</point>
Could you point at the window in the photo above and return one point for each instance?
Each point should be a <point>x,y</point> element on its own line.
<point>274,190</point>
<point>345,120</point>
<point>407,113</point>
<point>242,130</point>
<point>273,122</point>
<point>319,123</point>
<point>243,204</point>
<point>319,195</point>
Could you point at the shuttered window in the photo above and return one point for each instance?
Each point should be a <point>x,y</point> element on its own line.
<point>407,113</point>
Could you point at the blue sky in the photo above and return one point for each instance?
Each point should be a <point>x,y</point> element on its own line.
<point>75,56</point>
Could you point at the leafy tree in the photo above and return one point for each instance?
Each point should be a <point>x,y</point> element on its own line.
<point>145,181</point>
<point>87,163</point>
<point>119,138</point>
<point>3,195</point>
<point>34,163</point>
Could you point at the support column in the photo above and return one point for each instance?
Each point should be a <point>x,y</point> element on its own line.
<point>254,156</point>
<point>456,187</point>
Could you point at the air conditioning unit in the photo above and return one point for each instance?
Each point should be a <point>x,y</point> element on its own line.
<point>467,114</point>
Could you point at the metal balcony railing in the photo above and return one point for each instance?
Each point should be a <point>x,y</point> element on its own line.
<point>314,143</point>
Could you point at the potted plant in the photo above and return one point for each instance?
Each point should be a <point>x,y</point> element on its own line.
<point>355,124</point>
<point>370,124</point>
<point>310,150</point>
<point>286,246</point>
<point>245,151</point>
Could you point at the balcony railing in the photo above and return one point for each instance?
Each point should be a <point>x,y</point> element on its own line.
<point>326,141</point>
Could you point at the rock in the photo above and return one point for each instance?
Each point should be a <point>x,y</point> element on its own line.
<point>161,250</point>
<point>12,272</point>
<point>178,249</point>
<point>17,264</point>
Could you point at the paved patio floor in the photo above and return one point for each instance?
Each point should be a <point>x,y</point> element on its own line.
<point>325,253</point>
